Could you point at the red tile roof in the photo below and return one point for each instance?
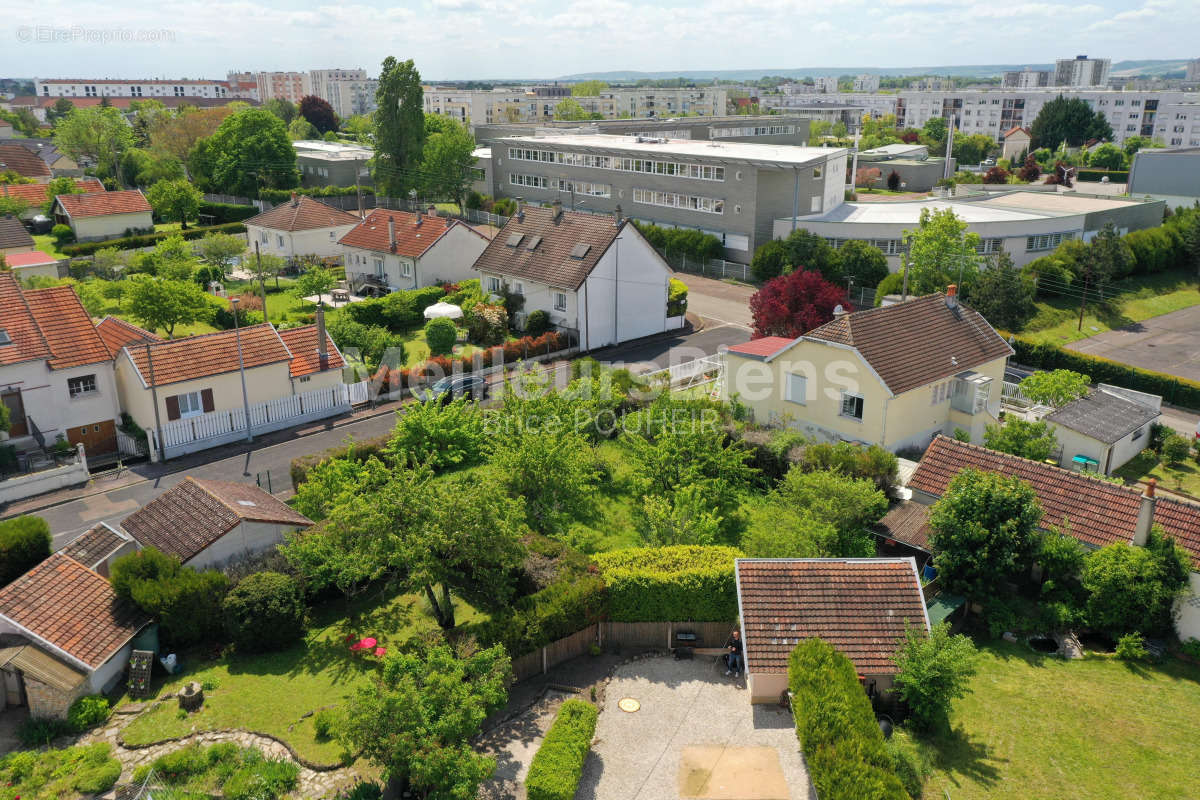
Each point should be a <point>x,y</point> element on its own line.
<point>209,354</point>
<point>67,327</point>
<point>94,546</point>
<point>913,344</point>
<point>860,606</point>
<point>17,321</point>
<point>1099,512</point>
<point>26,164</point>
<point>303,344</point>
<point>1013,130</point>
<point>412,240</point>
<point>101,204</point>
<point>72,608</point>
<point>1181,521</point>
<point>765,347</point>
<point>193,514</point>
<point>118,333</point>
<point>303,214</point>
<point>35,193</point>
<point>35,259</point>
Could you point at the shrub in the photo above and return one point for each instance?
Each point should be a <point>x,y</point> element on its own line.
<point>893,181</point>
<point>24,543</point>
<point>355,451</point>
<point>265,612</point>
<point>1176,449</point>
<point>223,317</point>
<point>1191,647</point>
<point>488,324</point>
<point>474,200</point>
<point>910,762</point>
<point>87,712</point>
<point>562,608</point>
<point>98,778</point>
<point>537,323</point>
<point>892,284</point>
<point>931,671</point>
<point>441,435</point>
<point>261,780</point>
<point>179,764</point>
<point>40,731</point>
<point>324,722</point>
<point>362,790</point>
<point>187,602</point>
<point>227,212</point>
<point>558,764</point>
<point>441,335</point>
<point>677,295</point>
<point>843,746</point>
<point>139,241</point>
<point>62,233</point>
<point>683,583</point>
<point>1132,647</point>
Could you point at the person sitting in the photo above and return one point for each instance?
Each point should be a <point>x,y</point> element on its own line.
<point>734,660</point>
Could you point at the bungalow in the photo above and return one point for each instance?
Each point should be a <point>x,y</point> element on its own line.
<point>206,523</point>
<point>300,227</point>
<point>895,376</point>
<point>56,374</point>
<point>15,158</point>
<point>393,250</point>
<point>103,215</point>
<point>1094,511</point>
<point>35,196</point>
<point>188,393</point>
<point>592,274</point>
<point>13,237</point>
<point>35,262</point>
<point>860,606</point>
<point>1104,429</point>
<point>63,633</point>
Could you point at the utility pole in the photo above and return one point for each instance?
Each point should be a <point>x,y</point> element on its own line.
<point>1087,282</point>
<point>262,281</point>
<point>904,266</point>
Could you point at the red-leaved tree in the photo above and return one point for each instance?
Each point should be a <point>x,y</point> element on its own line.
<point>318,111</point>
<point>792,305</point>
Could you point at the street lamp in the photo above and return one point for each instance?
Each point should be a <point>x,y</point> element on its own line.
<point>237,335</point>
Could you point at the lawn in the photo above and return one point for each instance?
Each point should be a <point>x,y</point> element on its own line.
<point>1183,477</point>
<point>1039,727</point>
<point>272,692</point>
<point>48,245</point>
<point>1057,318</point>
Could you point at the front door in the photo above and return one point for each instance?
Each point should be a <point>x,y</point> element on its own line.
<point>97,439</point>
<point>16,413</point>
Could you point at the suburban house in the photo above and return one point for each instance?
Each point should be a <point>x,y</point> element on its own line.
<point>593,274</point>
<point>56,375</point>
<point>34,262</point>
<point>35,194</point>
<point>392,250</point>
<point>103,215</point>
<point>61,165</point>
<point>895,376</point>
<point>1094,511</point>
<point>188,392</point>
<point>98,547</point>
<point>1015,142</point>
<point>860,606</point>
<point>15,158</point>
<point>300,227</point>
<point>209,523</point>
<point>6,129</point>
<point>1104,429</point>
<point>63,633</point>
<point>13,237</point>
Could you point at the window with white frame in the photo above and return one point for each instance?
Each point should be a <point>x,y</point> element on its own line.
<point>279,239</point>
<point>816,203</point>
<point>493,285</point>
<point>852,405</point>
<point>531,181</point>
<point>817,172</point>
<point>405,269</point>
<point>709,205</point>
<point>83,385</point>
<point>796,389</point>
<point>560,301</point>
<point>989,246</point>
<point>1046,241</point>
<point>518,288</point>
<point>379,267</point>
<point>264,237</point>
<point>581,187</point>
<point>190,404</point>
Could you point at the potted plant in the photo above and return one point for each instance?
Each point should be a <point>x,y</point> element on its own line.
<point>63,450</point>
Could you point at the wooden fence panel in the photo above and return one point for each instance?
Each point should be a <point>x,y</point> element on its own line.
<point>528,665</point>
<point>570,647</point>
<point>636,634</point>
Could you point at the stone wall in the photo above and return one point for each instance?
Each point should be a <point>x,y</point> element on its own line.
<point>46,701</point>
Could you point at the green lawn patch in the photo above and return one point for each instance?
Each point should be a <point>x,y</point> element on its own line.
<point>48,245</point>
<point>271,692</point>
<point>54,774</point>
<point>1137,299</point>
<point>1184,477</point>
<point>1085,729</point>
<point>221,770</point>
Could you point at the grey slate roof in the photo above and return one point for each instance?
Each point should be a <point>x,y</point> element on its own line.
<point>1103,416</point>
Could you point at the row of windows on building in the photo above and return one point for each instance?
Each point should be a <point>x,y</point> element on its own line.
<point>703,172</point>
<point>651,197</point>
<point>753,130</point>
<point>894,247</point>
<point>495,285</point>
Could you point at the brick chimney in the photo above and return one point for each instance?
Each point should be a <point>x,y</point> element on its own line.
<point>557,206</point>
<point>295,200</point>
<point>952,296</point>
<point>520,210</point>
<point>322,343</point>
<point>839,311</point>
<point>432,210</point>
<point>617,215</point>
<point>391,233</point>
<point>1145,519</point>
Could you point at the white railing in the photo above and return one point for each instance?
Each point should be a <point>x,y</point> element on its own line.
<point>129,446</point>
<point>217,427</point>
<point>1011,395</point>
<point>697,372</point>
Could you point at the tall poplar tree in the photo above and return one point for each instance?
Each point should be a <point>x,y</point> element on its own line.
<point>399,127</point>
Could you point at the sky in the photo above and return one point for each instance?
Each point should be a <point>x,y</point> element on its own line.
<point>490,39</point>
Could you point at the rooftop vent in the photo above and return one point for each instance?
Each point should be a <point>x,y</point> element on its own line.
<point>515,240</point>
<point>580,251</point>
<point>533,243</point>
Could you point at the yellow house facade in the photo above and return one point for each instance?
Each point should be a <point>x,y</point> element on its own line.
<point>894,376</point>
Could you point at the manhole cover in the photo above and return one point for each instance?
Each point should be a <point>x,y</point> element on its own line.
<point>628,704</point>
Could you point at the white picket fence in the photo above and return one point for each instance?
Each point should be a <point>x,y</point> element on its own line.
<point>220,427</point>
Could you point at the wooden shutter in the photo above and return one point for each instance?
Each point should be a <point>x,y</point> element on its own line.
<point>206,398</point>
<point>173,407</point>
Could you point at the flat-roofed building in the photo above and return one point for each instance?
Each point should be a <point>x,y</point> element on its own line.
<point>324,163</point>
<point>1172,175</point>
<point>765,129</point>
<point>1082,71</point>
<point>733,190</point>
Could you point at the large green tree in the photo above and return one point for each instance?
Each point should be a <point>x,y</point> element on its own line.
<point>984,530</point>
<point>1021,437</point>
<point>808,250</point>
<point>221,250</point>
<point>97,134</point>
<point>1134,588</point>
<point>931,671</point>
<point>249,151</point>
<point>399,128</point>
<point>863,262</point>
<point>1069,120</point>
<point>941,251</point>
<point>1055,387</point>
<point>1003,295</point>
<point>158,303</point>
<point>524,460</point>
<point>569,109</point>
<point>175,201</point>
<point>446,161</point>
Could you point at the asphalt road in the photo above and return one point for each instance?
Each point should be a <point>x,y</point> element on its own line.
<point>269,461</point>
<point>1167,343</point>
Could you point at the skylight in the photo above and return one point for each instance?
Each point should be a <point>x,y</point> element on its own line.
<point>533,243</point>
<point>250,503</point>
<point>515,240</point>
<point>4,337</point>
<point>580,251</point>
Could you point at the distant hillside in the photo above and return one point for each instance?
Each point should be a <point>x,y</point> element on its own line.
<point>1121,68</point>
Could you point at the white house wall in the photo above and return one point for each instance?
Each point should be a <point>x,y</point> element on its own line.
<point>318,241</point>
<point>640,306</point>
<point>452,258</point>
<point>248,538</point>
<point>48,402</point>
<point>108,673</point>
<point>362,262</point>
<point>1187,624</point>
<point>89,229</point>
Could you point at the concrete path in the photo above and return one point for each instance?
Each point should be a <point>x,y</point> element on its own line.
<point>720,301</point>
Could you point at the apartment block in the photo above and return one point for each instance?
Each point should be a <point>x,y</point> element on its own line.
<point>1027,78</point>
<point>1192,75</point>
<point>1082,71</point>
<point>1179,124</point>
<point>537,104</point>
<point>290,86</point>
<point>135,88</point>
<point>733,190</point>
<point>866,83</point>
<point>826,85</point>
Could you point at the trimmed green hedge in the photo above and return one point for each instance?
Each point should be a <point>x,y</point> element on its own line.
<point>558,764</point>
<point>683,583</point>
<point>228,212</point>
<point>281,195</point>
<point>1174,390</point>
<point>561,609</point>
<point>843,746</point>
<point>399,311</point>
<point>1116,175</point>
<point>148,239</point>
<point>677,295</point>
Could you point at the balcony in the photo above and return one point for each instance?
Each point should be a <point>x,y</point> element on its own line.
<point>971,393</point>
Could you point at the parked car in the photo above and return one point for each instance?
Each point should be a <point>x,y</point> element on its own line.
<point>449,389</point>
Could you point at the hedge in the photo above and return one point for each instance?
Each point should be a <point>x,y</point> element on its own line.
<point>148,239</point>
<point>561,609</point>
<point>24,543</point>
<point>228,212</point>
<point>1116,175</point>
<point>283,195</point>
<point>360,450</point>
<point>1175,390</point>
<point>558,764</point>
<point>843,746</point>
<point>436,367</point>
<point>677,295</point>
<point>399,311</point>
<point>683,583</point>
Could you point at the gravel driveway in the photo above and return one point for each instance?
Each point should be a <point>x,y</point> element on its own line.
<point>695,736</point>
